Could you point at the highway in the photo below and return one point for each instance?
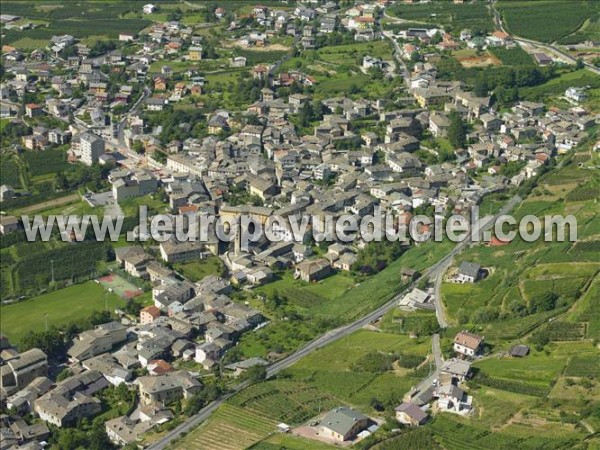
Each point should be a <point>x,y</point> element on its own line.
<point>436,272</point>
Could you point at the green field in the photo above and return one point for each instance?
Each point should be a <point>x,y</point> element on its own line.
<point>317,307</point>
<point>546,21</point>
<point>557,86</point>
<point>521,272</point>
<point>62,306</point>
<point>454,17</point>
<point>338,368</point>
<point>196,270</point>
<point>81,19</point>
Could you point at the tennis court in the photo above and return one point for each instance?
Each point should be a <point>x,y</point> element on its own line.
<point>120,286</point>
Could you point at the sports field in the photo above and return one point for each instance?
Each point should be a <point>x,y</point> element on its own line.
<point>62,306</point>
<point>120,286</point>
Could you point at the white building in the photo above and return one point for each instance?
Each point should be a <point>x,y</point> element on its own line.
<point>149,8</point>
<point>91,147</point>
<point>575,94</point>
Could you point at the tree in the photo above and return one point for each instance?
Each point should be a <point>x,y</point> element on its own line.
<point>480,87</point>
<point>457,131</point>
<point>138,147</point>
<point>254,374</point>
<point>579,64</point>
<point>543,302</point>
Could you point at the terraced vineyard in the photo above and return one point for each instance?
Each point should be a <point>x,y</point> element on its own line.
<point>286,401</point>
<point>230,428</point>
<point>584,366</point>
<point>453,435</point>
<point>252,415</point>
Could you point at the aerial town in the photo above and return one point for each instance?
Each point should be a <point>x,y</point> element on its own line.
<point>175,112</point>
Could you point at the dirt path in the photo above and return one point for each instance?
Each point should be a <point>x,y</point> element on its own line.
<point>49,204</point>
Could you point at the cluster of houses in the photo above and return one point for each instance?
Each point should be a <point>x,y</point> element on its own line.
<point>446,393</point>
<point>186,322</point>
<point>287,173</point>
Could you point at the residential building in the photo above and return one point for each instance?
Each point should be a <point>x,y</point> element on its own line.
<point>72,399</point>
<point>410,414</point>
<point>313,270</point>
<point>343,424</point>
<point>468,272</point>
<point>168,388</point>
<point>8,224</point>
<point>19,371</point>
<point>91,147</point>
<point>468,344</point>
<point>97,341</point>
<point>149,314</point>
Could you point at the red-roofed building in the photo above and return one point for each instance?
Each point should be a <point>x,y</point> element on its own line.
<point>187,209</point>
<point>159,367</point>
<point>149,314</point>
<point>33,109</point>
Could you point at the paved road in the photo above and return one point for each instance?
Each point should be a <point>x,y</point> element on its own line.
<point>331,336</point>
<point>437,274</point>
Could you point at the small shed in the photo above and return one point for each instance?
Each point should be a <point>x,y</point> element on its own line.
<point>519,351</point>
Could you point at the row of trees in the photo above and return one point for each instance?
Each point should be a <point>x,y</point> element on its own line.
<point>55,342</point>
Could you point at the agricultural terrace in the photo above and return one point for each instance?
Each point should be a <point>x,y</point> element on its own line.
<point>550,21</point>
<point>367,365</point>
<point>290,442</point>
<point>62,306</point>
<point>517,393</point>
<point>229,428</point>
<point>525,275</point>
<point>475,16</point>
<point>84,20</point>
<point>368,369</point>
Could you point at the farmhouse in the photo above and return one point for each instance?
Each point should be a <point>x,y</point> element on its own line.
<point>342,424</point>
<point>467,344</point>
<point>457,368</point>
<point>452,398</point>
<point>468,272</point>
<point>149,8</point>
<point>575,94</point>
<point>410,414</point>
<point>8,224</point>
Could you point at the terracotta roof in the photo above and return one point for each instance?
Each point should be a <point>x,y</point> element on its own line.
<point>152,310</point>
<point>468,340</point>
